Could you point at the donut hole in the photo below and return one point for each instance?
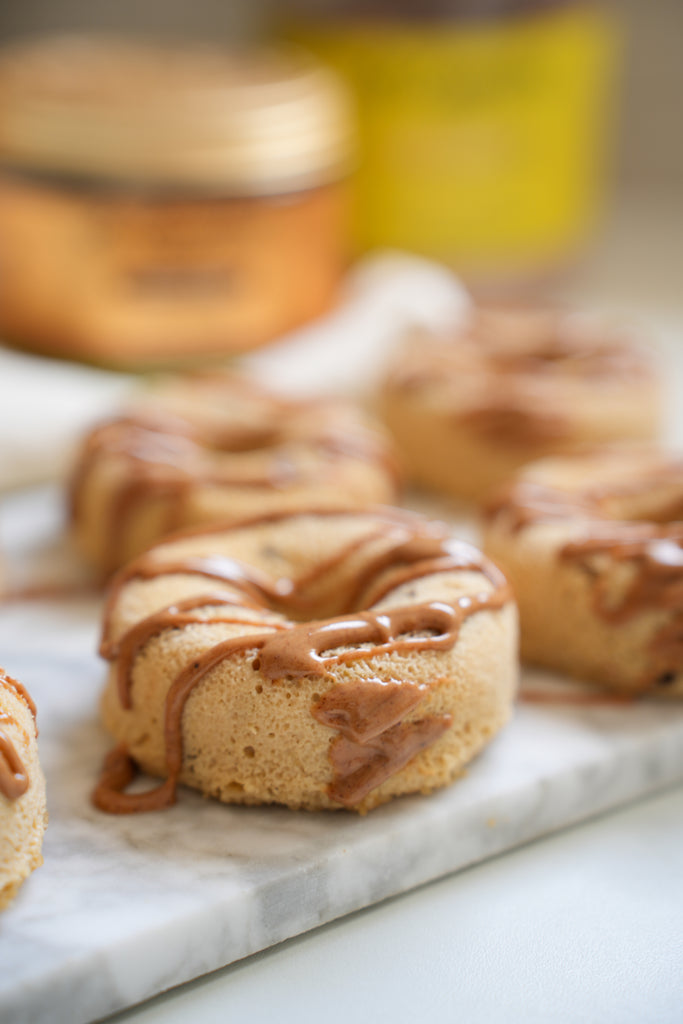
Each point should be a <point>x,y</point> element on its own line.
<point>241,440</point>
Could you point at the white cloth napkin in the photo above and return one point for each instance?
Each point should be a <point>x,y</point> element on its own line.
<point>45,404</point>
<point>346,352</point>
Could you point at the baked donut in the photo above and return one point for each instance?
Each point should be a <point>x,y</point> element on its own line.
<point>317,659</point>
<point>593,548</point>
<point>23,816</point>
<point>212,447</point>
<point>515,384</point>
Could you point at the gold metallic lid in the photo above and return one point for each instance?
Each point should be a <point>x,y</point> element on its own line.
<point>250,122</point>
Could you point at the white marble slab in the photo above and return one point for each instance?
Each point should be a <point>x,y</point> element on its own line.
<point>124,908</point>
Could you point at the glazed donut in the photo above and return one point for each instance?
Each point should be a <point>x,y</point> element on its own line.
<point>317,659</point>
<point>515,384</point>
<point>23,816</point>
<point>593,548</point>
<point>214,447</point>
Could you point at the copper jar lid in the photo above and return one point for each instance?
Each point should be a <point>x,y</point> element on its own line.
<point>258,122</point>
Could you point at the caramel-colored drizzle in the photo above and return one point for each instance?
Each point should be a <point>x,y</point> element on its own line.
<point>14,779</point>
<point>293,650</point>
<point>656,557</point>
<point>254,586</point>
<point>525,503</point>
<point>653,552</point>
<point>511,420</point>
<point>374,741</point>
<point>175,616</point>
<point>20,691</point>
<point>656,562</point>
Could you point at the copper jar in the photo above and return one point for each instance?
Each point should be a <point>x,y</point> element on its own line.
<point>162,203</point>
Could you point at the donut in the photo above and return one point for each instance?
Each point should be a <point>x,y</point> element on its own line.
<point>212,447</point>
<point>466,410</point>
<point>23,816</point>
<point>315,659</point>
<point>593,548</point>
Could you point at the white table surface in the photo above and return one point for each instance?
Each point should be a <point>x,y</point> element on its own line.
<point>584,926</point>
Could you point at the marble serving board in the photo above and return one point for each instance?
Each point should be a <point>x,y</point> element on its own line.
<point>125,907</point>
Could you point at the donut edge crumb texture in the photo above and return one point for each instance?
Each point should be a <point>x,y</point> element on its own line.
<point>215,447</point>
<point>466,412</point>
<point>281,720</point>
<point>597,577</point>
<point>23,814</point>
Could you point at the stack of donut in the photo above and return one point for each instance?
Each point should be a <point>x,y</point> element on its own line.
<point>467,410</point>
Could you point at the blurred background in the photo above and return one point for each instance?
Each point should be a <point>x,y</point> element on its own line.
<point>626,144</point>
<point>531,146</point>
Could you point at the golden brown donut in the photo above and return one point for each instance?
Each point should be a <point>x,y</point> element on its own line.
<point>515,384</point>
<point>23,815</point>
<point>316,659</point>
<point>593,547</point>
<point>214,447</point>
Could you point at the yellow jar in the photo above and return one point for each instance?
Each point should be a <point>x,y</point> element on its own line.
<point>164,203</point>
<point>482,125</point>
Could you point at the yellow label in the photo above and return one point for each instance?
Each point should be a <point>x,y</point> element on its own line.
<point>481,142</point>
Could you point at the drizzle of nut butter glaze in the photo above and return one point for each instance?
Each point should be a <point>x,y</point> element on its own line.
<point>174,616</point>
<point>513,421</point>
<point>296,649</point>
<point>14,780</point>
<point>13,776</point>
<point>361,767</point>
<point>20,690</point>
<point>374,741</point>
